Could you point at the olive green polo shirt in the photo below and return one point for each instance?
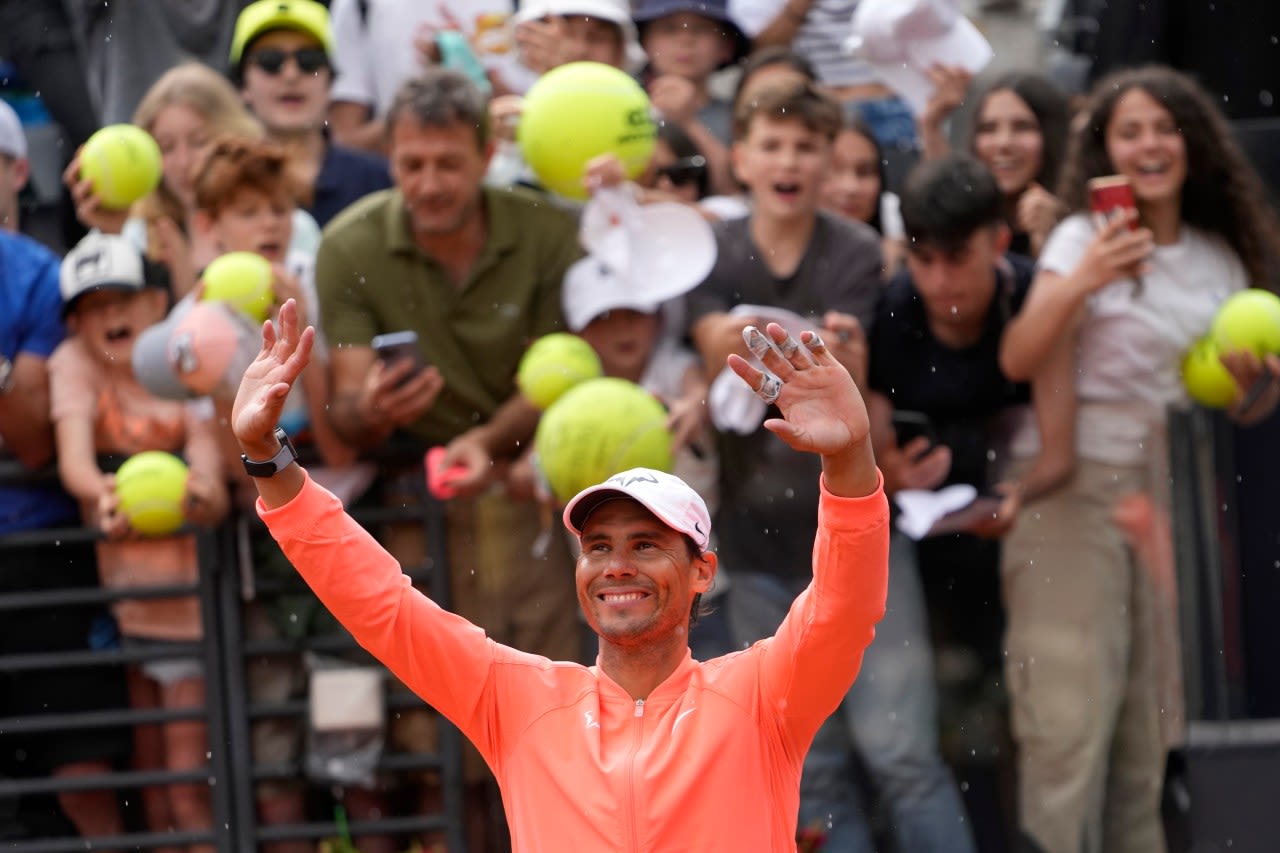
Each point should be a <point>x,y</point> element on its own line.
<point>372,278</point>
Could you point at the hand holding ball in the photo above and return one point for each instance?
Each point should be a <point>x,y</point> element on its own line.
<point>581,110</point>
<point>553,365</point>
<point>1249,319</point>
<point>151,486</point>
<point>242,279</point>
<point>122,162</point>
<point>1206,379</point>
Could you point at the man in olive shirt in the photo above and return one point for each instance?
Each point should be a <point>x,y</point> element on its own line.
<point>476,273</point>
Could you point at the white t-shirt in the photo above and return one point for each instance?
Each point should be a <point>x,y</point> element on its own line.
<point>373,55</point>
<point>1131,345</point>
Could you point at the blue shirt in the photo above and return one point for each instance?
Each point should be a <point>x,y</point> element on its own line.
<point>30,322</point>
<point>346,175</point>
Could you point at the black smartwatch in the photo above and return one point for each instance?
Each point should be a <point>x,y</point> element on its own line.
<point>270,467</point>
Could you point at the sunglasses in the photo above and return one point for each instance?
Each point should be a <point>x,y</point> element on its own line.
<point>685,171</point>
<point>272,59</point>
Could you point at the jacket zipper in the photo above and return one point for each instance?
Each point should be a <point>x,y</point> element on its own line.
<point>638,735</point>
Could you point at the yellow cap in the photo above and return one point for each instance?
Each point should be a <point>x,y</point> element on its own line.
<point>257,18</point>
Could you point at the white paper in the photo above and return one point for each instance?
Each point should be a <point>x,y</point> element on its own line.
<point>901,39</point>
<point>953,509</point>
<point>734,406</point>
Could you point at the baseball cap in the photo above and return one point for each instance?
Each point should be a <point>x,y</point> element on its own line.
<point>665,495</point>
<point>613,11</point>
<point>201,348</point>
<point>100,262</point>
<point>592,287</point>
<point>257,18</point>
<point>13,141</point>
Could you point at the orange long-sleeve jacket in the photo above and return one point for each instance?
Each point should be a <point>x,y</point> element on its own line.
<point>709,761</point>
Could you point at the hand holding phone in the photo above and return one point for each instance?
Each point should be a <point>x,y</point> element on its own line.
<point>909,425</point>
<point>1111,196</point>
<point>395,347</point>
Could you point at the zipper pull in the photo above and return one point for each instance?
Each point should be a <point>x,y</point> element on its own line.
<point>639,707</point>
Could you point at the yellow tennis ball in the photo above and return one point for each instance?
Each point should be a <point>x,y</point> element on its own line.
<point>122,162</point>
<point>553,364</point>
<point>1203,375</point>
<point>150,486</point>
<point>1249,319</point>
<point>242,279</point>
<point>578,111</point>
<point>598,428</point>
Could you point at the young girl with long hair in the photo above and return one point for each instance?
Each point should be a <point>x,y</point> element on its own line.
<point>1093,661</point>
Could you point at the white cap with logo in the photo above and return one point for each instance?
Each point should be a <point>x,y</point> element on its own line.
<point>665,495</point>
<point>13,141</point>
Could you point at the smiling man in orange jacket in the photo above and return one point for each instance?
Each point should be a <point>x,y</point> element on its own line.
<point>648,750</point>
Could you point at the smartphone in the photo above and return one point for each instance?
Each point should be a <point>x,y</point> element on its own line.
<point>398,346</point>
<point>1111,196</point>
<point>908,426</point>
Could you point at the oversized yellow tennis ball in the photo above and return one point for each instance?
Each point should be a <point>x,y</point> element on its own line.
<point>578,111</point>
<point>1206,380</point>
<point>1249,319</point>
<point>150,486</point>
<point>242,279</point>
<point>122,162</point>
<point>598,428</point>
<point>553,364</point>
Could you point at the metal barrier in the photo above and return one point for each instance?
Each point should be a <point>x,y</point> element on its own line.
<point>229,713</point>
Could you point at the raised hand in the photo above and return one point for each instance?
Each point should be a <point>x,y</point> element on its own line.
<point>266,383</point>
<point>822,411</point>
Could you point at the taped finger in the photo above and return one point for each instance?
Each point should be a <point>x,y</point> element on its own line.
<point>770,388</point>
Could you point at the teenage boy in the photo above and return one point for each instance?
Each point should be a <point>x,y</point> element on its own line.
<point>281,58</point>
<point>785,254</point>
<point>687,41</point>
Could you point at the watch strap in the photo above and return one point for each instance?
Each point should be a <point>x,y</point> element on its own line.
<point>284,457</point>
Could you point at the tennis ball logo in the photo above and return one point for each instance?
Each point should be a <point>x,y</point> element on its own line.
<point>554,364</point>
<point>578,111</point>
<point>243,280</point>
<point>1249,319</point>
<point>1207,381</point>
<point>122,162</point>
<point>598,428</point>
<point>150,486</point>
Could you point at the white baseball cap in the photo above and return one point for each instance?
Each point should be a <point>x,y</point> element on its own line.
<point>614,11</point>
<point>100,262</point>
<point>665,495</point>
<point>13,141</point>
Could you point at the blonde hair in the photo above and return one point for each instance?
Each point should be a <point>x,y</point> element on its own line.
<point>207,93</point>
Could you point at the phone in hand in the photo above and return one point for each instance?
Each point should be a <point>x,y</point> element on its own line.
<point>909,425</point>
<point>395,347</point>
<point>1111,196</point>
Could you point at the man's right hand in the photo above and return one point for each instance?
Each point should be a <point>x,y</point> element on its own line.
<point>395,395</point>
<point>266,383</point>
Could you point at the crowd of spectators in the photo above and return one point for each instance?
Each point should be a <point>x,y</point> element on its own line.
<point>959,277</point>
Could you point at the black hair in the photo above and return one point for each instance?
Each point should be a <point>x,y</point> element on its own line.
<point>1048,104</point>
<point>683,146</point>
<point>945,201</point>
<point>859,125</point>
<point>1222,193</point>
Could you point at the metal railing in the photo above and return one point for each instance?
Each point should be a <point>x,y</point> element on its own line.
<point>229,713</point>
